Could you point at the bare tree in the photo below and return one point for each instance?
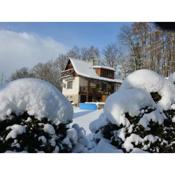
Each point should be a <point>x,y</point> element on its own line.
<point>74,53</point>
<point>125,67</point>
<point>91,54</point>
<point>111,55</point>
<point>48,72</point>
<point>60,62</point>
<point>161,51</point>
<point>149,47</point>
<point>135,37</point>
<point>21,73</point>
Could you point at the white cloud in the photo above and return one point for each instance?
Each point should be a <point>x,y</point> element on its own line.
<point>25,50</point>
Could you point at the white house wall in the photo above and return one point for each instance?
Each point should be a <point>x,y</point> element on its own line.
<point>72,94</point>
<point>75,87</point>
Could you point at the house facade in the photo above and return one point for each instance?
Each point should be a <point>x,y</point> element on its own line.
<point>83,82</point>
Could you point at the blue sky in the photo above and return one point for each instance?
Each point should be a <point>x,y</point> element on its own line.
<point>26,44</point>
<point>72,33</point>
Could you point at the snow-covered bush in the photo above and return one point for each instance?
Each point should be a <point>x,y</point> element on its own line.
<point>161,89</point>
<point>35,117</point>
<point>140,116</point>
<point>172,78</point>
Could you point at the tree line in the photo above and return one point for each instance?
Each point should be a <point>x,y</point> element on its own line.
<point>139,45</point>
<point>51,70</point>
<point>148,47</point>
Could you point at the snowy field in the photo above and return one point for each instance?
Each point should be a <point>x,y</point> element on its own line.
<point>84,117</point>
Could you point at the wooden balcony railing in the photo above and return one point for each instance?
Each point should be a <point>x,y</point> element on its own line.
<point>67,73</point>
<point>94,90</point>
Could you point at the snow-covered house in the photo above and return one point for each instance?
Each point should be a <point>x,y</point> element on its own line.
<point>84,82</point>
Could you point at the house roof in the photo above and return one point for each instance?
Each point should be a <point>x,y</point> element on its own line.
<point>104,67</point>
<point>86,69</point>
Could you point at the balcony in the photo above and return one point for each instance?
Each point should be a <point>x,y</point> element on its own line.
<point>94,90</point>
<point>84,90</point>
<point>67,73</point>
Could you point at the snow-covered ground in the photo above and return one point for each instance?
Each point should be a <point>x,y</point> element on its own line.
<point>84,117</point>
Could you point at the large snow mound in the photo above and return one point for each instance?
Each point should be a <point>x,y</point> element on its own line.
<point>168,95</point>
<point>130,101</point>
<point>152,82</point>
<point>37,97</point>
<point>97,123</point>
<point>144,79</point>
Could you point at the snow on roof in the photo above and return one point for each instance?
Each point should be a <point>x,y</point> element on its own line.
<point>37,97</point>
<point>104,67</point>
<point>85,69</point>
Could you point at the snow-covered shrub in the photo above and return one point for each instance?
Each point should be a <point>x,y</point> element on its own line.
<point>140,116</point>
<point>172,78</point>
<point>161,89</point>
<point>35,117</point>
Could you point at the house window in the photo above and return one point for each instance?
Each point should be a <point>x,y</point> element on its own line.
<point>69,85</point>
